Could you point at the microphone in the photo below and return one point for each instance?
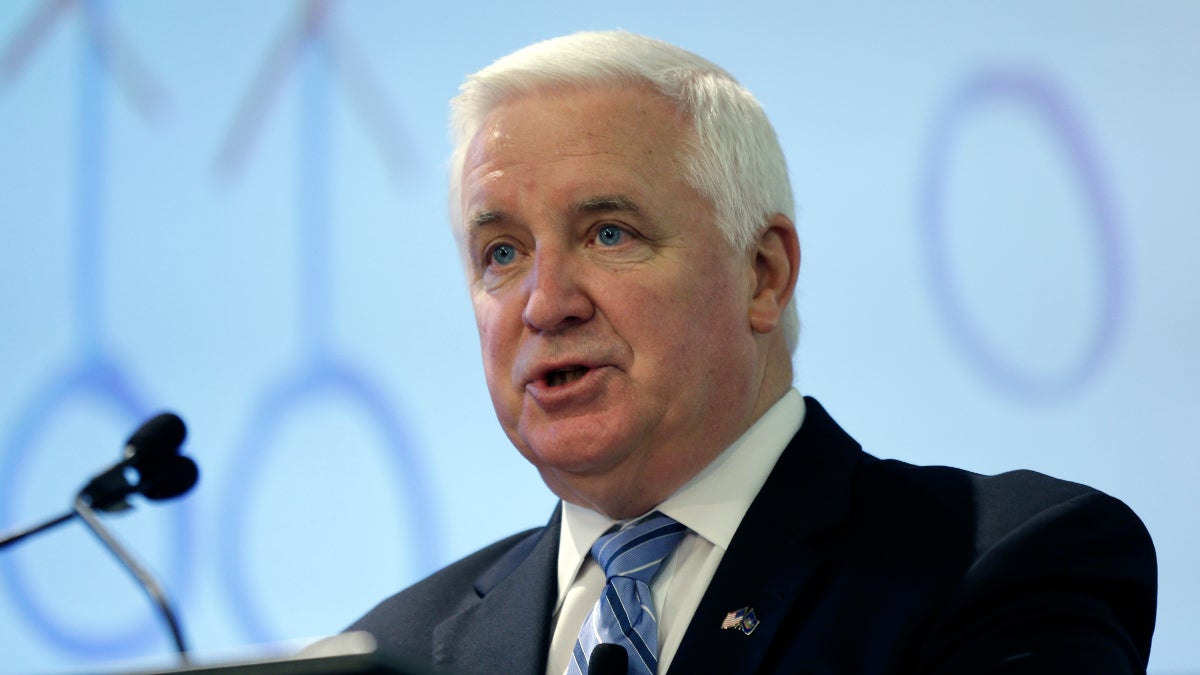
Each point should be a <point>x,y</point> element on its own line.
<point>152,455</point>
<point>608,659</point>
<point>152,466</point>
<point>171,478</point>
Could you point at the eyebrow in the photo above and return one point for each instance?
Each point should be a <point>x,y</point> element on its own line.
<point>602,203</point>
<point>485,217</point>
<point>607,203</point>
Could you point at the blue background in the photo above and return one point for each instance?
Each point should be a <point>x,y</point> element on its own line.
<point>237,211</point>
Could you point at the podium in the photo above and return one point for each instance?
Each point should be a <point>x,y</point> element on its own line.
<point>353,653</point>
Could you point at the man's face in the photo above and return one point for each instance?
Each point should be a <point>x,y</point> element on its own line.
<point>612,312</point>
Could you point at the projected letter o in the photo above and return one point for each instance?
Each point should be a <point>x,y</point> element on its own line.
<point>251,455</point>
<point>102,381</point>
<point>1004,372</point>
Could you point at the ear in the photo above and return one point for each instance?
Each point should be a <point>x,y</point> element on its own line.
<point>776,264</point>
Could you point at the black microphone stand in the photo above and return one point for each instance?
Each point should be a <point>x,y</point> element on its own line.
<point>152,452</point>
<point>84,510</point>
<point>144,579</point>
<point>14,537</point>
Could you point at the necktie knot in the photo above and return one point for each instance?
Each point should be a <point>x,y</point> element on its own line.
<point>637,550</point>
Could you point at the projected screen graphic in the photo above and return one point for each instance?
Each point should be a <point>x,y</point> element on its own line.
<point>1040,99</point>
<point>238,212</point>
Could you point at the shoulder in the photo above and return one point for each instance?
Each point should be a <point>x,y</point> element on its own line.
<point>1019,523</point>
<point>957,571</point>
<point>1032,530</point>
<point>1016,509</point>
<point>1058,567</point>
<point>1029,505</point>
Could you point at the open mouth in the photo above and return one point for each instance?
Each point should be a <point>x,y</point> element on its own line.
<point>563,376</point>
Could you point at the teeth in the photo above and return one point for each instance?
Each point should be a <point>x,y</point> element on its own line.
<point>561,377</point>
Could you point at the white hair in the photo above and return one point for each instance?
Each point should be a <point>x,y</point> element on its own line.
<point>733,156</point>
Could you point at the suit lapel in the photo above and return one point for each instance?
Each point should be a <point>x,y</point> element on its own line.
<point>776,551</point>
<point>507,630</point>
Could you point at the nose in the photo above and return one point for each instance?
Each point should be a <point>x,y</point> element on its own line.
<point>556,296</point>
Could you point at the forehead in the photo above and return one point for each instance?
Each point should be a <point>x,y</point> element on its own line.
<point>595,133</point>
<point>628,107</point>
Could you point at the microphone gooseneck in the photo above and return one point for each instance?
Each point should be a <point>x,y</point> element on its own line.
<point>140,574</point>
<point>15,536</point>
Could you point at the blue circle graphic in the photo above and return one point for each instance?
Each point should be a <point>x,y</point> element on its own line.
<point>97,377</point>
<point>1041,98</point>
<point>320,378</point>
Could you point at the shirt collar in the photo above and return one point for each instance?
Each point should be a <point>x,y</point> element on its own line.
<point>711,504</point>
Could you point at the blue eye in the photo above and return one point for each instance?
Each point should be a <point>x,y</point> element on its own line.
<point>610,235</point>
<point>503,254</point>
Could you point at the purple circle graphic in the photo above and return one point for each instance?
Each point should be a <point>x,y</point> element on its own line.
<point>1042,99</point>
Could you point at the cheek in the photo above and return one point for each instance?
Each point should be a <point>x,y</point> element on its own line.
<point>708,319</point>
<point>710,300</point>
<point>667,330</point>
<point>499,325</point>
<point>488,324</point>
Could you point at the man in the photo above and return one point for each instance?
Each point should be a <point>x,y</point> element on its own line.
<point>625,216</point>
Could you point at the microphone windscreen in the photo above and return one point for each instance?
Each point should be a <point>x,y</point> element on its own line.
<point>167,477</point>
<point>161,434</point>
<point>608,659</point>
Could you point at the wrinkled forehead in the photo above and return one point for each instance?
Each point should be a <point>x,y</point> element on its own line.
<point>635,118</point>
<point>578,121</point>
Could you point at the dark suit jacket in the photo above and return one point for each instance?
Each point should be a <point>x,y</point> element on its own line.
<point>852,565</point>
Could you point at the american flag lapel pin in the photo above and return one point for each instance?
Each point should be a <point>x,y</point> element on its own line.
<point>742,619</point>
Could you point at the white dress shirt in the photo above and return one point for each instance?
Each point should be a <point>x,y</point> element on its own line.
<point>711,505</point>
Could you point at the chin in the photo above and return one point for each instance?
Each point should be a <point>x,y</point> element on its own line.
<point>596,492</point>
<point>575,453</point>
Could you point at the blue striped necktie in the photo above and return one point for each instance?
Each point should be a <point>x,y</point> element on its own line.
<point>624,615</point>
